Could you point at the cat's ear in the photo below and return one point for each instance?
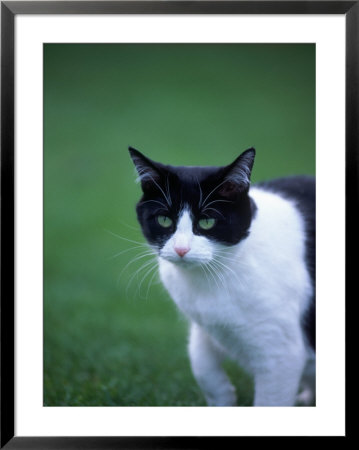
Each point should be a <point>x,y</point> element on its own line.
<point>238,174</point>
<point>148,173</point>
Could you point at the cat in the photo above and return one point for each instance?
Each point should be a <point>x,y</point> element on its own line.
<point>239,262</point>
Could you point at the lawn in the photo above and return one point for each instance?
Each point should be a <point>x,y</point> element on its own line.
<point>112,336</point>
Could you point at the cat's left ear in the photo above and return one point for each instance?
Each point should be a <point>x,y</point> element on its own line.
<point>238,174</point>
<point>148,171</point>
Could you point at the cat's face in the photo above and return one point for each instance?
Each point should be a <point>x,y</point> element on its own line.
<point>188,214</point>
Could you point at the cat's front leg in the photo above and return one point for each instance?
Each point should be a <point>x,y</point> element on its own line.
<point>206,362</point>
<point>278,384</point>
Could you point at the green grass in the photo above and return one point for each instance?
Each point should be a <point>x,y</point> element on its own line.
<point>107,342</point>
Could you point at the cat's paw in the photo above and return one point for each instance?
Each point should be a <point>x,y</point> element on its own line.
<point>227,398</point>
<point>305,397</point>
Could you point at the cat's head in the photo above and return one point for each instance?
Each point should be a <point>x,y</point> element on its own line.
<point>187,214</point>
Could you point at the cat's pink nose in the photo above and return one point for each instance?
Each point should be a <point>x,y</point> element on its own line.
<point>181,251</point>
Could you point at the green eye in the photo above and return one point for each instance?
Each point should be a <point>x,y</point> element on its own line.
<point>207,224</point>
<point>164,221</point>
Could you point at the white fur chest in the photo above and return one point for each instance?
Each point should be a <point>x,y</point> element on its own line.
<point>199,295</point>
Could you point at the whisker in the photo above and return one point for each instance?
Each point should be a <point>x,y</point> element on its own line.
<point>151,280</point>
<point>155,201</point>
<point>144,277</point>
<point>218,201</point>
<point>213,209</point>
<point>203,267</point>
<point>128,225</point>
<point>126,239</point>
<point>228,268</point>
<point>212,272</point>
<point>227,258</point>
<point>221,277</point>
<point>137,258</point>
<point>213,190</point>
<point>226,251</point>
<point>224,266</point>
<point>159,187</point>
<point>222,254</point>
<point>125,251</point>
<point>144,266</point>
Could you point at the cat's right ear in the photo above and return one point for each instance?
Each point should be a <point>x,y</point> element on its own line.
<point>147,171</point>
<point>237,178</point>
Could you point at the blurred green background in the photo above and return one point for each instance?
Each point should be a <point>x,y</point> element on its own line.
<point>112,336</point>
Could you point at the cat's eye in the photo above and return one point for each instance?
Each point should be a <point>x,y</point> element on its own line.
<point>207,224</point>
<point>164,221</point>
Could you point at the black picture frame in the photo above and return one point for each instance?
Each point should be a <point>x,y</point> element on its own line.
<point>9,10</point>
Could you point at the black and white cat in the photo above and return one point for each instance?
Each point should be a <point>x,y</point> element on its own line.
<point>239,262</point>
